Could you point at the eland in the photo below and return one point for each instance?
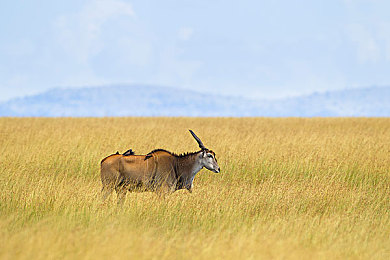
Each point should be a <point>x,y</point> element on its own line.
<point>159,171</point>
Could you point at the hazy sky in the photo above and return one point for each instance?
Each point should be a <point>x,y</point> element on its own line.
<point>247,48</point>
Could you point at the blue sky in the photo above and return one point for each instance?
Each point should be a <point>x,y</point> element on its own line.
<point>246,48</point>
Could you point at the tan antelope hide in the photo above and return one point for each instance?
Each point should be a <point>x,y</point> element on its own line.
<point>159,171</point>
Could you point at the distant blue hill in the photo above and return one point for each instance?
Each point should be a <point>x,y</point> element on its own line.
<point>133,100</point>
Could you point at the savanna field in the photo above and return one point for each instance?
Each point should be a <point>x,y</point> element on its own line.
<point>288,188</point>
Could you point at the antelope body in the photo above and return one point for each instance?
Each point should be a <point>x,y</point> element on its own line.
<point>159,171</point>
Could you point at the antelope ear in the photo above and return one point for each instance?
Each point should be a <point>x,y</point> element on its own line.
<point>204,153</point>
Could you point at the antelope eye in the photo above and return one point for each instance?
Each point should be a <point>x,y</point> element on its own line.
<point>209,155</point>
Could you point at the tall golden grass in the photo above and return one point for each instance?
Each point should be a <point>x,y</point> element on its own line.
<point>288,188</point>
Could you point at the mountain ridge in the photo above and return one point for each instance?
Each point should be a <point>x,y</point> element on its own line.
<point>149,100</point>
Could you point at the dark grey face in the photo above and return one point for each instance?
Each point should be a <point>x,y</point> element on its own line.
<point>209,161</point>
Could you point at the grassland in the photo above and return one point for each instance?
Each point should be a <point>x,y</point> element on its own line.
<point>288,188</point>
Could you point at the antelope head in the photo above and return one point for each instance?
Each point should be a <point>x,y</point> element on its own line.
<point>207,157</point>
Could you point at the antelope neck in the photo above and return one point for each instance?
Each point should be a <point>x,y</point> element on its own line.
<point>188,167</point>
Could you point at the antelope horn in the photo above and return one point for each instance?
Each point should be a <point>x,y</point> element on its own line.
<point>198,140</point>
